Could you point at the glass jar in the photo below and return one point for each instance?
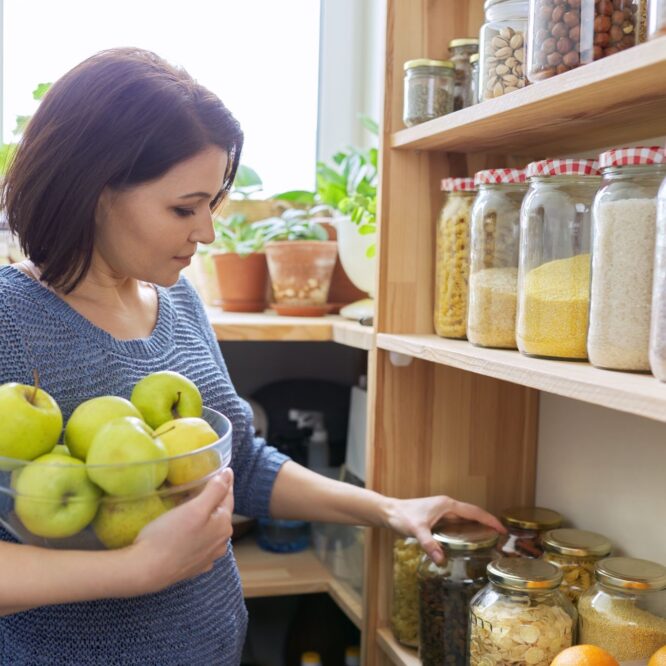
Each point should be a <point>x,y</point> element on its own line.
<point>625,611</point>
<point>473,92</point>
<point>446,590</point>
<point>658,324</point>
<point>525,526</point>
<point>657,18</point>
<point>575,552</point>
<point>452,258</point>
<point>429,89</point>
<point>502,42</point>
<point>460,52</point>
<point>520,617</point>
<point>407,555</point>
<point>493,276</point>
<point>623,241</point>
<point>554,272</point>
<point>566,34</point>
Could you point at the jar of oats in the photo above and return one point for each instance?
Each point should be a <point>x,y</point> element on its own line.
<point>407,555</point>
<point>521,617</point>
<point>625,611</point>
<point>575,552</point>
<point>493,275</point>
<point>452,258</point>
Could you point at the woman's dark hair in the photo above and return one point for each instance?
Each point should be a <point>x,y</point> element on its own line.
<point>122,117</point>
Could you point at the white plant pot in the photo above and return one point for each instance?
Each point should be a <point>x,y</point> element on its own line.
<point>352,248</point>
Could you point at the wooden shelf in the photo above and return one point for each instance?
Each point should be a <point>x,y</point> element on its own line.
<point>269,326</point>
<point>626,392</point>
<point>615,100</point>
<point>397,653</point>
<point>348,599</point>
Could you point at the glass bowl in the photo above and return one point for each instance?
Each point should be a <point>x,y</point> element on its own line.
<point>58,505</point>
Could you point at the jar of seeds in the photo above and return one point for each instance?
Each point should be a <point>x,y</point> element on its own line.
<point>525,527</point>
<point>461,50</point>
<point>407,555</point>
<point>429,90</point>
<point>445,591</point>
<point>575,552</point>
<point>521,617</point>
<point>625,611</point>
<point>502,42</point>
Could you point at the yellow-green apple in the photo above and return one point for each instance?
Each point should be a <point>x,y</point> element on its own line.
<point>31,421</point>
<point>125,458</point>
<point>54,496</point>
<point>166,395</point>
<point>90,416</point>
<point>119,521</point>
<point>185,436</point>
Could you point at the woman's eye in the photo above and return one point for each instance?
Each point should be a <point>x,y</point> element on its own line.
<point>183,212</point>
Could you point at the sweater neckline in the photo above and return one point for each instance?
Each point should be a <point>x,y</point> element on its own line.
<point>155,344</point>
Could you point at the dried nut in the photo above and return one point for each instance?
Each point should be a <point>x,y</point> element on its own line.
<point>519,54</point>
<point>521,83</point>
<point>571,59</point>
<point>509,89</point>
<point>517,41</point>
<point>507,33</point>
<point>571,18</point>
<point>511,62</point>
<point>564,45</point>
<point>574,33</point>
<point>602,23</point>
<point>499,43</point>
<point>498,89</point>
<point>554,59</point>
<point>502,69</point>
<point>616,34</point>
<point>557,15</point>
<point>518,69</point>
<point>560,29</point>
<point>504,52</point>
<point>510,79</point>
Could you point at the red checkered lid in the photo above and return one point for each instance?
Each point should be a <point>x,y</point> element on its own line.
<point>632,156</point>
<point>499,176</point>
<point>566,167</point>
<point>458,185</point>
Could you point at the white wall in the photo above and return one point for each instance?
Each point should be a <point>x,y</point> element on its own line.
<point>605,471</point>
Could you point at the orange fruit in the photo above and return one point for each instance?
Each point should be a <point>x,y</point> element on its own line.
<point>659,657</point>
<point>585,655</point>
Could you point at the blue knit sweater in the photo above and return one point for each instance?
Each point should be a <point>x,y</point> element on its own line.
<point>201,621</point>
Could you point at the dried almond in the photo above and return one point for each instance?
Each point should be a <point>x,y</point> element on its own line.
<point>517,41</point>
<point>519,54</point>
<point>499,43</point>
<point>500,70</point>
<point>505,52</point>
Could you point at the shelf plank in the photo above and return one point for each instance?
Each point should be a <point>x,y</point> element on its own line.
<point>399,655</point>
<point>638,394</point>
<point>348,599</point>
<point>615,100</point>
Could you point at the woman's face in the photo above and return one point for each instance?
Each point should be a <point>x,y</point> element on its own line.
<point>150,231</point>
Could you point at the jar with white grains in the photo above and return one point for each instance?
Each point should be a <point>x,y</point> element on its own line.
<point>658,323</point>
<point>623,231</point>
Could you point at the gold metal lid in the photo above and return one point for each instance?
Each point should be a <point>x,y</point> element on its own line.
<point>531,518</point>
<point>517,573</point>
<point>630,573</point>
<point>465,535</point>
<point>577,543</point>
<point>474,57</point>
<point>425,62</point>
<point>463,41</point>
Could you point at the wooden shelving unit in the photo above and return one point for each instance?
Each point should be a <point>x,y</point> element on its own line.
<point>398,654</point>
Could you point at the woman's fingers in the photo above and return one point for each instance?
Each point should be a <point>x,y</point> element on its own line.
<point>473,512</point>
<point>429,545</point>
<point>215,492</point>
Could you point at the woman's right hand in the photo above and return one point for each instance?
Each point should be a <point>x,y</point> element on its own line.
<point>185,541</point>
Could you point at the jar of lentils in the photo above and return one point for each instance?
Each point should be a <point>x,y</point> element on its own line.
<point>429,90</point>
<point>525,528</point>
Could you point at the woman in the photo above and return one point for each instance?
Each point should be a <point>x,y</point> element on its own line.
<point>111,190</point>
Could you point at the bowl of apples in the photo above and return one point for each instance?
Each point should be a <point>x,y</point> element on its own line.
<point>115,466</point>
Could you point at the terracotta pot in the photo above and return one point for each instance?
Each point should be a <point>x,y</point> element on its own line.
<point>243,281</point>
<point>301,270</point>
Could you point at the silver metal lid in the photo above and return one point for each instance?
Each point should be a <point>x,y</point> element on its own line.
<point>522,574</point>
<point>630,573</point>
<point>577,543</point>
<point>465,535</point>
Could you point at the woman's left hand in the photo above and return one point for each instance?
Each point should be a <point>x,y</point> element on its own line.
<point>417,517</point>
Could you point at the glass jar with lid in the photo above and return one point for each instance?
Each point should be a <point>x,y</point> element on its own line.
<point>624,612</point>
<point>521,617</point>
<point>502,44</point>
<point>657,18</point>
<point>493,276</point>
<point>445,590</point>
<point>564,35</point>
<point>460,52</point>
<point>429,90</point>
<point>623,243</point>
<point>407,555</point>
<point>473,93</point>
<point>525,527</point>
<point>658,324</point>
<point>554,272</point>
<point>575,552</point>
<point>452,258</point>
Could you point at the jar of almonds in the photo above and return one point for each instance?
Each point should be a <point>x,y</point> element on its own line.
<point>521,617</point>
<point>502,41</point>
<point>575,552</point>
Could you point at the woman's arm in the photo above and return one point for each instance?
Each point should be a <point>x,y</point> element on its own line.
<point>299,493</point>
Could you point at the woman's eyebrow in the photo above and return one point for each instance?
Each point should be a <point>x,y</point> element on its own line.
<point>195,194</point>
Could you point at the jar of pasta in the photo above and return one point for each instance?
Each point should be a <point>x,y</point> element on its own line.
<point>407,555</point>
<point>493,276</point>
<point>452,258</point>
<point>525,527</point>
<point>554,271</point>
<point>575,552</point>
<point>521,617</point>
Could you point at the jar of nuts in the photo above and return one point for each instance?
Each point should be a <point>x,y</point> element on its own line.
<point>525,526</point>
<point>521,617</point>
<point>461,50</point>
<point>493,277</point>
<point>429,90</point>
<point>502,41</point>
<point>452,258</point>
<point>575,552</point>
<point>565,34</point>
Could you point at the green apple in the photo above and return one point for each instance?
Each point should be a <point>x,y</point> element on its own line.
<point>54,496</point>
<point>31,421</point>
<point>90,416</point>
<point>118,522</point>
<point>185,436</point>
<point>61,449</point>
<point>125,458</point>
<point>163,396</point>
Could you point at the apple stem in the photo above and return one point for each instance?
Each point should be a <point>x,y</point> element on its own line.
<point>164,432</point>
<point>35,376</point>
<point>174,407</point>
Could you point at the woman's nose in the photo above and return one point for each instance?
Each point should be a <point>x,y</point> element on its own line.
<point>204,232</point>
